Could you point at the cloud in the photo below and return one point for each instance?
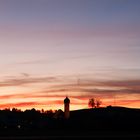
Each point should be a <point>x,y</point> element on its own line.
<point>123,83</point>
<point>24,80</point>
<point>89,87</point>
<point>18,105</point>
<point>25,105</point>
<point>40,61</point>
<point>100,87</point>
<point>25,74</point>
<point>126,102</point>
<point>124,91</point>
<point>59,102</point>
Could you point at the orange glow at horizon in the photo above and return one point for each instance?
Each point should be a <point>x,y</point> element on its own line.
<point>116,93</point>
<point>76,104</point>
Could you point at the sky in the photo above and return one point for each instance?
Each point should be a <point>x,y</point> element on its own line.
<point>83,49</point>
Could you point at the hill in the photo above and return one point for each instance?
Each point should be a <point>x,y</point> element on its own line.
<point>85,121</point>
<point>110,118</point>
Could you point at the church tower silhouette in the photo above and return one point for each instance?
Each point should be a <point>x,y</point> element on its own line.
<point>66,107</point>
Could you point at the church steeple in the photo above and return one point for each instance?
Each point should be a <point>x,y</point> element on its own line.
<point>67,107</point>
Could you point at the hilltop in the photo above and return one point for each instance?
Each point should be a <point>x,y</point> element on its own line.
<point>110,118</point>
<point>32,122</point>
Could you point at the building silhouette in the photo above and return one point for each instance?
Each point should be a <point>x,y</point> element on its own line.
<point>66,107</point>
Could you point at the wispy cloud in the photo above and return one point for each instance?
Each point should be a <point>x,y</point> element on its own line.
<point>19,105</point>
<point>26,79</point>
<point>39,61</point>
<point>127,92</point>
<point>88,88</point>
<point>111,86</point>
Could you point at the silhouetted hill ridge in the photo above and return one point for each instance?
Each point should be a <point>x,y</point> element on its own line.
<point>110,118</point>
<point>109,109</point>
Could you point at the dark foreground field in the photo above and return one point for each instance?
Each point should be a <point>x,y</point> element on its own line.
<point>75,135</point>
<point>108,137</point>
<point>100,123</point>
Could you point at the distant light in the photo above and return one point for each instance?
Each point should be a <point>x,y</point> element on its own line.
<point>18,126</point>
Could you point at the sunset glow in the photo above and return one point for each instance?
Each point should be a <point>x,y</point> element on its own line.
<point>83,49</point>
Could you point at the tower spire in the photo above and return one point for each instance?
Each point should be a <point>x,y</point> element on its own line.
<point>67,107</point>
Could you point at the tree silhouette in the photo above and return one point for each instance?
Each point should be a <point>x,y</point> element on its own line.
<point>91,102</point>
<point>98,103</point>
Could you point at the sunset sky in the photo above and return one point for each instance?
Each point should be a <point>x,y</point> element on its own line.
<point>50,49</point>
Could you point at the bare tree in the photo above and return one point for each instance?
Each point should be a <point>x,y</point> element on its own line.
<point>98,103</point>
<point>91,102</point>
